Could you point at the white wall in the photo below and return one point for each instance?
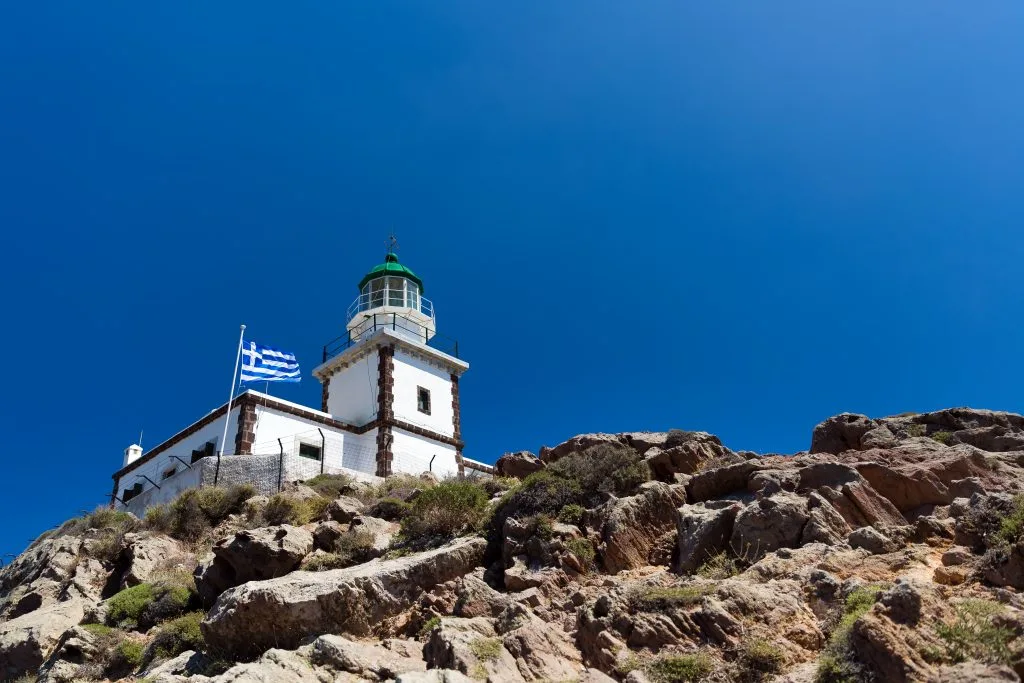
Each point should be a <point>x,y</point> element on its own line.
<point>412,454</point>
<point>411,373</point>
<point>155,468</point>
<point>352,391</point>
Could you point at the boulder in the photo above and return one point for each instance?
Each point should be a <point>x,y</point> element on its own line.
<point>721,481</point>
<point>274,666</point>
<point>825,524</point>
<point>841,433</point>
<point>702,533</point>
<point>687,453</point>
<point>635,526</point>
<point>382,530</point>
<point>26,641</point>
<point>1004,565</point>
<point>434,676</point>
<point>367,660</point>
<point>283,611</point>
<point>327,534</point>
<point>975,672</point>
<point>148,553</point>
<point>344,509</point>
<point>252,555</point>
<point>577,444</point>
<point>872,540</point>
<point>769,524</point>
<point>520,464</point>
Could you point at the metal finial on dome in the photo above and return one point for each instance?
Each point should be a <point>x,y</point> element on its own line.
<point>392,243</point>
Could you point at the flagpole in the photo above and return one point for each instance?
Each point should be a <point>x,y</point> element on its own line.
<point>231,398</point>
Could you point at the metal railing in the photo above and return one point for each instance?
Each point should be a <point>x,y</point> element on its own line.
<point>392,298</point>
<point>396,323</point>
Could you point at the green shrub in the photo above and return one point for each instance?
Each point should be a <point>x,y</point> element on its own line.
<point>445,510</point>
<point>176,636</point>
<point>605,468</point>
<point>129,652</point>
<point>719,566</point>
<point>836,664</point>
<point>429,626</point>
<point>401,484</point>
<point>916,430</point>
<point>486,649</point>
<point>584,551</point>
<point>109,518</point>
<point>761,656</point>
<point>147,604</point>
<point>541,492</point>
<point>353,547</point>
<point>285,509</point>
<point>1011,527</point>
<point>572,514</point>
<point>657,598</point>
<point>681,668</point>
<point>972,634</point>
<point>541,526</point>
<point>330,486</point>
<point>391,509</point>
<point>192,514</point>
<point>98,630</point>
<point>159,518</point>
<point>495,485</point>
<point>943,437</point>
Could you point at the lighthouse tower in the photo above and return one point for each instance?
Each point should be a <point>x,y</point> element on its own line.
<point>393,378</point>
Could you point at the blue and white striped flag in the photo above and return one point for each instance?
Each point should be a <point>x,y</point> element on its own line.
<point>267,364</point>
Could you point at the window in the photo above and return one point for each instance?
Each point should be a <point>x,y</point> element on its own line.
<point>132,492</point>
<point>169,472</point>
<point>205,451</point>
<point>396,291</point>
<point>423,400</point>
<point>308,450</point>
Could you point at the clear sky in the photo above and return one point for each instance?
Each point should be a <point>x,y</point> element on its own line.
<point>739,217</point>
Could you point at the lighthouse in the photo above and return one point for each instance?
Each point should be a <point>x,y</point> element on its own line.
<point>389,404</point>
<point>393,371</point>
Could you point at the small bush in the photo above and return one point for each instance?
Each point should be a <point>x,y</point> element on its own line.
<point>352,548</point>
<point>572,514</point>
<point>129,653</point>
<point>657,598</point>
<point>681,668</point>
<point>147,604</point>
<point>973,635</point>
<point>192,514</point>
<point>429,625</point>
<point>915,430</point>
<point>98,630</point>
<point>495,485</point>
<point>541,526</point>
<point>285,509</point>
<point>761,656</point>
<point>835,664</point>
<point>322,562</point>
<point>605,468</point>
<point>943,437</point>
<point>719,566</point>
<point>159,518</point>
<point>1011,527</point>
<point>445,510</point>
<point>583,550</point>
<point>401,483</point>
<point>330,486</point>
<point>176,636</point>
<point>391,509</point>
<point>486,649</point>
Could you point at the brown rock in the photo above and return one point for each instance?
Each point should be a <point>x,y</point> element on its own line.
<point>252,555</point>
<point>283,611</point>
<point>702,533</point>
<point>344,509</point>
<point>636,524</point>
<point>768,524</point>
<point>841,433</point>
<point>520,464</point>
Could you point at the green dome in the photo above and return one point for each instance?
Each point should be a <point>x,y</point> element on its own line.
<point>391,266</point>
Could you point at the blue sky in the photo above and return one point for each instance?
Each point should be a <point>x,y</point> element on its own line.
<point>736,217</point>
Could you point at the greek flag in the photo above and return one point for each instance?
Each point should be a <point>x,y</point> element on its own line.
<point>267,364</point>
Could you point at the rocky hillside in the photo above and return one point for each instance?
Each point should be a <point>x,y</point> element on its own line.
<point>893,550</point>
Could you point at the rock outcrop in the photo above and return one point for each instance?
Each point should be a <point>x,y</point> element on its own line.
<point>893,550</point>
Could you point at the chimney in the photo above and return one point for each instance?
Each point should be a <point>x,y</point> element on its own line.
<point>132,453</point>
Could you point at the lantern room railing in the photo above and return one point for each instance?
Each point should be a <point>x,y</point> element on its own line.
<point>408,327</point>
<point>392,298</point>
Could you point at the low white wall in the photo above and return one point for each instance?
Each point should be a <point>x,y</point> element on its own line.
<point>413,454</point>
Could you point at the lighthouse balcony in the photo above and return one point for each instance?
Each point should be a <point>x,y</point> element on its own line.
<point>405,322</point>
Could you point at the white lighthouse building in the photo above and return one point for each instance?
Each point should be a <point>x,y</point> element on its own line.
<point>389,404</point>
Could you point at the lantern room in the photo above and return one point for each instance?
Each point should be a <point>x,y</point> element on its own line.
<point>391,296</point>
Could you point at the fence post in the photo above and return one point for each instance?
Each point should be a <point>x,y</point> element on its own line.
<point>280,465</point>
<point>323,449</point>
